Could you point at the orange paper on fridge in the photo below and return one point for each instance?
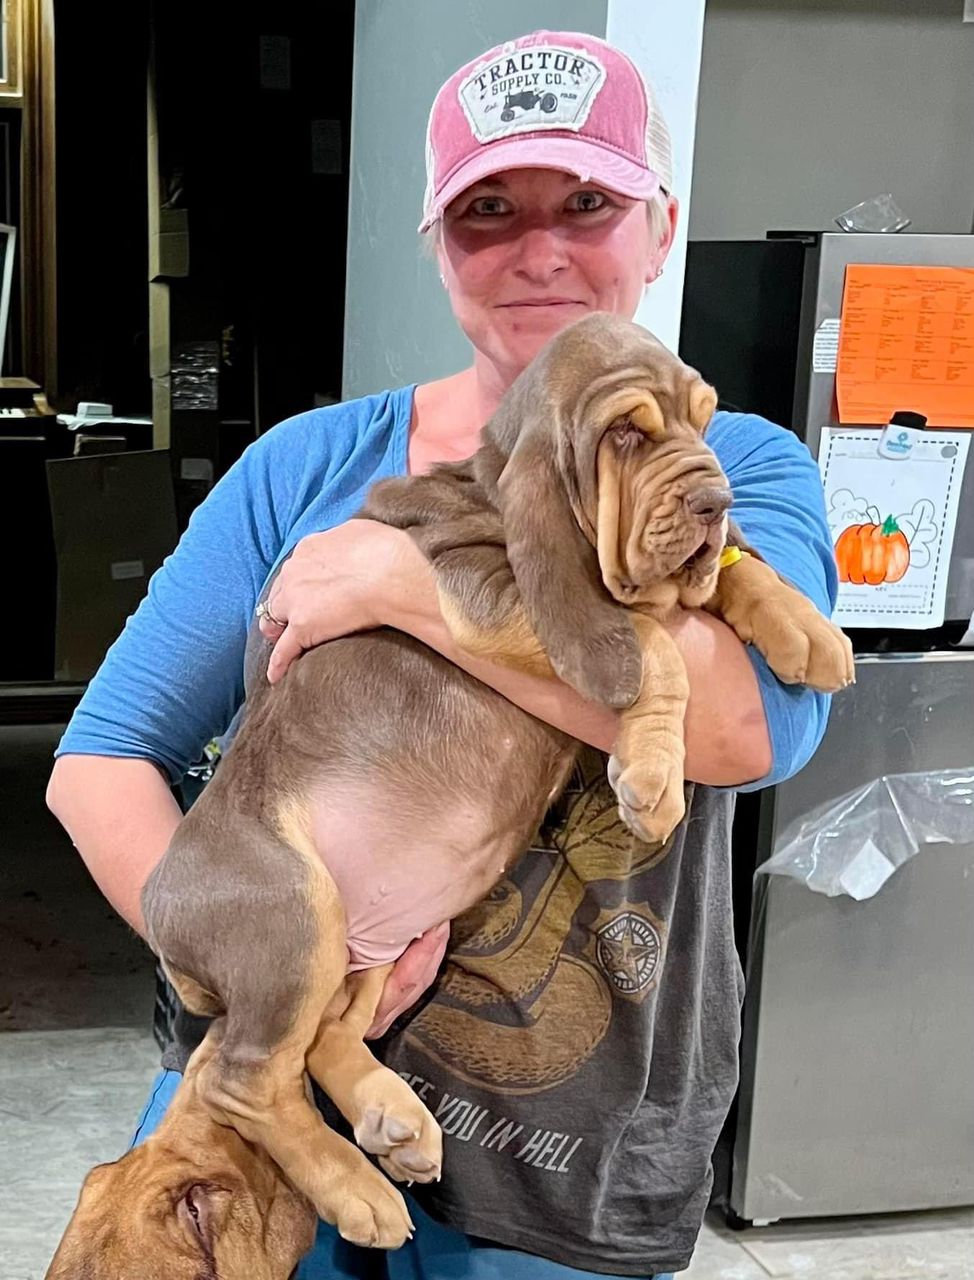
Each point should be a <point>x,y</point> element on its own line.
<point>906,341</point>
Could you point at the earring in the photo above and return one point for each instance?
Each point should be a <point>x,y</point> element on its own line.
<point>659,272</point>
<point>442,279</point>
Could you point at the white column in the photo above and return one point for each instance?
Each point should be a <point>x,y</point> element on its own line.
<point>665,40</point>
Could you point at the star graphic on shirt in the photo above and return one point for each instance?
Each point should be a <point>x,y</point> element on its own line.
<point>628,947</point>
<point>628,955</point>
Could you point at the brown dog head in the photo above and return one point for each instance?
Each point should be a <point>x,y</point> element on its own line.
<point>609,495</point>
<point>193,1203</point>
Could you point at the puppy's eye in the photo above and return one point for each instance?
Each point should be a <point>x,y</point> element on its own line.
<point>627,437</point>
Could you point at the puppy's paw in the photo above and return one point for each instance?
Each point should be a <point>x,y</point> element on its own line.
<point>403,1134</point>
<point>803,647</point>
<point>395,1125</point>
<point>831,661</point>
<point>370,1211</point>
<point>650,795</point>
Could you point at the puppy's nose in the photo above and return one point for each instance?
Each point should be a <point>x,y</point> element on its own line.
<point>709,503</point>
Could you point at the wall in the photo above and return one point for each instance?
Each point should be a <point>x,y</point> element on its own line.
<point>663,40</point>
<point>807,107</point>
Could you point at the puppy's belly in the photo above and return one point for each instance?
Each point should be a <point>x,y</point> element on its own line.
<point>400,874</point>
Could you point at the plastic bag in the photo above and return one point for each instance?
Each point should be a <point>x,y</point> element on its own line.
<point>853,844</point>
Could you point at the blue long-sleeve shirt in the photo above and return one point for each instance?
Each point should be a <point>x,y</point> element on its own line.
<point>173,679</point>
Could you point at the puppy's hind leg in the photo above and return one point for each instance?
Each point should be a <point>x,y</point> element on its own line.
<point>275,952</point>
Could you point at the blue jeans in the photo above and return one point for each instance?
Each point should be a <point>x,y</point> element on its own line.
<point>436,1252</point>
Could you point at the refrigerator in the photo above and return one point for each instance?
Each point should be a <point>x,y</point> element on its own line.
<point>857,1054</point>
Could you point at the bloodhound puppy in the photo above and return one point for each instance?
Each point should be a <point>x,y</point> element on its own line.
<point>379,790</point>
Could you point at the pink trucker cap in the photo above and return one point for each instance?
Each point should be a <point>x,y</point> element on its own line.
<point>550,100</point>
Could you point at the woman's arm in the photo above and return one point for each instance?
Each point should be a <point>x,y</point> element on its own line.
<point>120,815</point>
<point>780,508</point>
<point>727,738</point>
<point>365,574</point>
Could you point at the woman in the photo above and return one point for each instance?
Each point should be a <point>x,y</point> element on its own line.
<point>580,1051</point>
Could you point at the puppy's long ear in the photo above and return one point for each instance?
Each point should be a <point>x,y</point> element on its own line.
<point>588,638</point>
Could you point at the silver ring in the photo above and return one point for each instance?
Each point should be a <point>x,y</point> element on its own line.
<point>263,610</point>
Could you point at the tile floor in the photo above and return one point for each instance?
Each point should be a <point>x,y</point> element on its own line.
<point>68,1100</point>
<point>77,1056</point>
<point>909,1246</point>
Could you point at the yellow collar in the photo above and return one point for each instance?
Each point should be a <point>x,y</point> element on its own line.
<point>729,556</point>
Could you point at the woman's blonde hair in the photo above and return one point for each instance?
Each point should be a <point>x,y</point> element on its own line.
<point>658,212</point>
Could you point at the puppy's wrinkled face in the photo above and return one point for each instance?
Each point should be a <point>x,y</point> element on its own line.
<point>662,497</point>
<point>644,489</point>
<point>158,1216</point>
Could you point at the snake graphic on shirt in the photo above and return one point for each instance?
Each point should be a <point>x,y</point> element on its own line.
<point>522,1004</point>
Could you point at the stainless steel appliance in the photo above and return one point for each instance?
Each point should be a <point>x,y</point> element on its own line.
<point>858,1044</point>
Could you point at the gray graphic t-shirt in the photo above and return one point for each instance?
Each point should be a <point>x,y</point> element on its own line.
<point>580,1053</point>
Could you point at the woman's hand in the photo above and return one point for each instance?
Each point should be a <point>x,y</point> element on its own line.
<point>412,973</point>
<point>351,578</point>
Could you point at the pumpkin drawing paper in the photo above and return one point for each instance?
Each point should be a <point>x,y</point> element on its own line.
<point>892,523</point>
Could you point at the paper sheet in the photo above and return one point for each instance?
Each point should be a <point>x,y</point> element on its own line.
<point>892,524</point>
<point>825,347</point>
<point>906,341</point>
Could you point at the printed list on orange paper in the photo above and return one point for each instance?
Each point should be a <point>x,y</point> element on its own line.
<point>906,341</point>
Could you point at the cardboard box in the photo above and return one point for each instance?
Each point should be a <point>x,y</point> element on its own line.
<point>114,521</point>
<point>169,246</point>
